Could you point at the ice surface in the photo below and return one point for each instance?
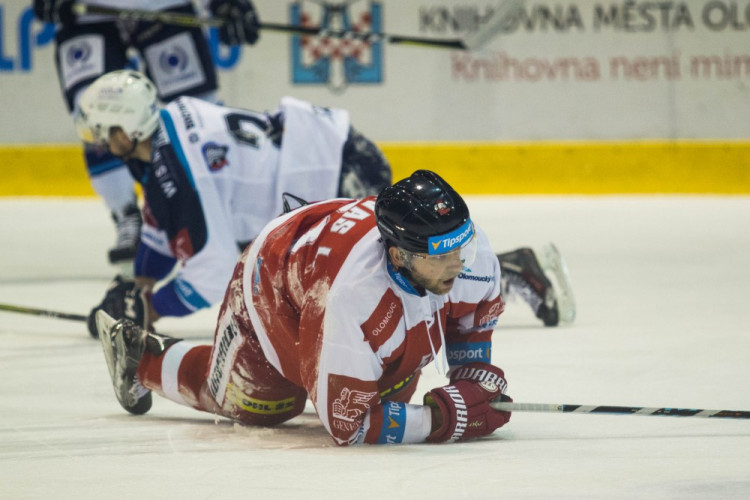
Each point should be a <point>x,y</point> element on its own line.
<point>662,286</point>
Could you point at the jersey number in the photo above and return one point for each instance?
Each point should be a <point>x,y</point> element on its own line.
<point>241,127</point>
<point>351,216</point>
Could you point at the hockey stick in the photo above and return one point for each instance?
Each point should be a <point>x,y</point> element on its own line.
<point>494,25</point>
<point>621,410</point>
<point>42,312</point>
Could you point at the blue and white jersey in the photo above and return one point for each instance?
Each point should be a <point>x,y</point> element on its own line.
<point>217,176</point>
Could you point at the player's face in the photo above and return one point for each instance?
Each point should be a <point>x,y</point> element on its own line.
<point>436,273</point>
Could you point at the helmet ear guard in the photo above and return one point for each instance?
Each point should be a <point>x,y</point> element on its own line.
<point>124,99</point>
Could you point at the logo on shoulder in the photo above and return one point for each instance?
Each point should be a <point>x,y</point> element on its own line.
<point>215,156</point>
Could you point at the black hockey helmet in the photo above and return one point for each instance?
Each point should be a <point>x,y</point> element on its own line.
<point>423,214</point>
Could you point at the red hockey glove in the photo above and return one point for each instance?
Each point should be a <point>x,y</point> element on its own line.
<point>462,409</point>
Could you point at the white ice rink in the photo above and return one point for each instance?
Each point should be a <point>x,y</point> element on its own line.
<point>663,292</point>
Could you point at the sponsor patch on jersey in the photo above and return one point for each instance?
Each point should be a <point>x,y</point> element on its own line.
<point>215,155</point>
<point>347,404</point>
<point>471,277</point>
<point>444,243</point>
<point>383,321</point>
<point>258,406</point>
<point>187,117</point>
<point>226,344</point>
<point>461,353</point>
<point>487,314</point>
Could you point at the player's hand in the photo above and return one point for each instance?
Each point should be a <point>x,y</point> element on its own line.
<point>124,299</point>
<point>55,11</point>
<point>241,23</point>
<point>462,410</point>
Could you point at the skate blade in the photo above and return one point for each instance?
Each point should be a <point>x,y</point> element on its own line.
<point>557,271</point>
<point>104,324</point>
<point>132,396</point>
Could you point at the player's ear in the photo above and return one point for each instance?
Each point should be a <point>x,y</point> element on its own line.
<point>395,257</point>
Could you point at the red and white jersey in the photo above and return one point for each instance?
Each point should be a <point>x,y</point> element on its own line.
<point>359,336</point>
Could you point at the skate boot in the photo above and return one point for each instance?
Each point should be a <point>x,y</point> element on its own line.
<point>124,344</point>
<point>524,275</point>
<point>128,225</point>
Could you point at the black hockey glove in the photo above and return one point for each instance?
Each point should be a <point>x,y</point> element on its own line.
<point>123,300</point>
<point>240,21</point>
<point>55,11</point>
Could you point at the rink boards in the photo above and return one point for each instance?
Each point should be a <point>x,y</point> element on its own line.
<point>646,167</point>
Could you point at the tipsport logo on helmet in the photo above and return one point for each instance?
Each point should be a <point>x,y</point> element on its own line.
<point>444,243</point>
<point>337,62</point>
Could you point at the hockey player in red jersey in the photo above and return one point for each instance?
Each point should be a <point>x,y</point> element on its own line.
<point>342,302</point>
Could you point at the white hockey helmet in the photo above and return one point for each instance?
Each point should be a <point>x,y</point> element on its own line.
<point>125,99</point>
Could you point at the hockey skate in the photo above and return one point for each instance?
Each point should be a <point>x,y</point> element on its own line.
<point>124,343</point>
<point>128,225</point>
<point>549,295</point>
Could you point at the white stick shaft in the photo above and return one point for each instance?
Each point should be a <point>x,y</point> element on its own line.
<point>494,25</point>
<point>621,410</point>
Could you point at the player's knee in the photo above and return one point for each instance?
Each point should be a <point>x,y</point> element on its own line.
<point>266,412</point>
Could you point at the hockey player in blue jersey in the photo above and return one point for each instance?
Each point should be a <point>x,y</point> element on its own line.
<point>213,176</point>
<point>176,58</point>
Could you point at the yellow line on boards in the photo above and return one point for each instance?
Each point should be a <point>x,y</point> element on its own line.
<point>672,167</point>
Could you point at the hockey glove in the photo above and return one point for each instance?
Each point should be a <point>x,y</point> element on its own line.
<point>241,23</point>
<point>123,300</point>
<point>462,409</point>
<point>55,11</point>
